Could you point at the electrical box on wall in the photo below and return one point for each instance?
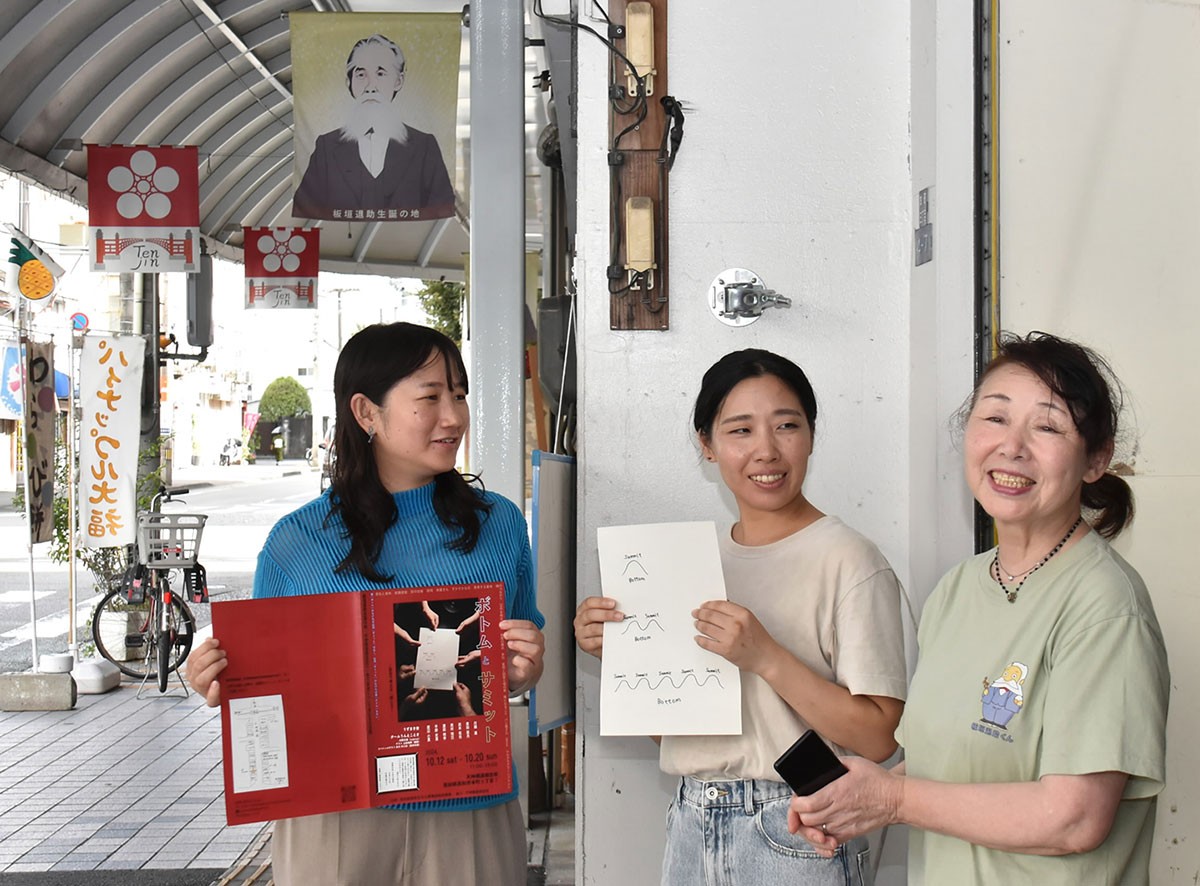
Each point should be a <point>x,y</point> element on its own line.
<point>638,121</point>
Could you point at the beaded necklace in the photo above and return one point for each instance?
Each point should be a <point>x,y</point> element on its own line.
<point>998,574</point>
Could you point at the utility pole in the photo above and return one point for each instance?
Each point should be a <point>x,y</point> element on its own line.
<point>151,424</point>
<point>323,381</point>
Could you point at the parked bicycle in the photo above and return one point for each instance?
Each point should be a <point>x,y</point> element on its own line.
<point>143,627</point>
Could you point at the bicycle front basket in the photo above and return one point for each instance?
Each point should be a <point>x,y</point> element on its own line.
<point>169,540</point>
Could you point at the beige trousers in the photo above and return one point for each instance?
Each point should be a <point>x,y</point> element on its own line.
<point>388,847</point>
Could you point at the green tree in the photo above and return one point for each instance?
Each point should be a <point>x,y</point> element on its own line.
<point>443,305</point>
<point>284,398</point>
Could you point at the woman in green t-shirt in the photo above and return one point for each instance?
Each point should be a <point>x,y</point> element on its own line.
<point>1034,732</point>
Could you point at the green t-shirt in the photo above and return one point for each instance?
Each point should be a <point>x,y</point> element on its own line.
<point>1070,679</point>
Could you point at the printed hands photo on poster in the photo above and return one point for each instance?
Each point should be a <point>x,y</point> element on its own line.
<point>435,660</point>
<point>439,675</point>
<point>655,679</point>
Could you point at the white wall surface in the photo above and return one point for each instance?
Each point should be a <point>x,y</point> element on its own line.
<point>1100,131</point>
<point>796,165</point>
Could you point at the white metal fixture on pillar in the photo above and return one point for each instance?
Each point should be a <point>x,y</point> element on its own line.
<point>737,297</point>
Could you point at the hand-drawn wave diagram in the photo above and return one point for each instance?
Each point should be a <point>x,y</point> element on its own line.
<point>708,678</point>
<point>633,623</point>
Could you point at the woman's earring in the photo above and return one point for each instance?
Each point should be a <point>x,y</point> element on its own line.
<point>371,435</point>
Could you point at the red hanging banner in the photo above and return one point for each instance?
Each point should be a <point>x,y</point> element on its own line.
<point>143,208</point>
<point>281,267</point>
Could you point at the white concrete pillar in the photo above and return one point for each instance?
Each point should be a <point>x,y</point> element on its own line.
<point>497,209</point>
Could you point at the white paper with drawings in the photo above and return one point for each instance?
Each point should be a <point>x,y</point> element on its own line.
<point>654,679</point>
<point>435,659</point>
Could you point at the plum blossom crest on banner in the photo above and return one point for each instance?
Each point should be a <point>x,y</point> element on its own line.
<point>281,267</point>
<point>144,208</point>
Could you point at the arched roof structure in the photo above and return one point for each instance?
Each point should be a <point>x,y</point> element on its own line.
<point>216,74</point>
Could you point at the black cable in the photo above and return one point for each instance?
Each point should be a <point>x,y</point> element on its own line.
<point>660,238</point>
<point>566,22</point>
<point>668,148</point>
<point>603,13</point>
<point>615,77</point>
<point>617,220</point>
<point>640,108</point>
<point>672,131</point>
<point>639,97</point>
<point>637,278</point>
<point>614,219</point>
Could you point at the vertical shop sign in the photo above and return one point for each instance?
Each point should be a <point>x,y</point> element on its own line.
<point>35,272</point>
<point>10,381</point>
<point>110,385</point>
<point>41,407</point>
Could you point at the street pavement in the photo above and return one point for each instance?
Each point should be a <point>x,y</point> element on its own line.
<point>120,789</point>
<point>117,783</point>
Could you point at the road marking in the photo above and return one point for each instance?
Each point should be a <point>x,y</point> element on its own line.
<point>50,626</point>
<point>22,596</point>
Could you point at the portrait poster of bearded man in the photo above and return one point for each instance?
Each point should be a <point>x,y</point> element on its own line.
<point>375,108</point>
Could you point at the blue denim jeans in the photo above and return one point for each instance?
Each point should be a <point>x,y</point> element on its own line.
<point>729,833</point>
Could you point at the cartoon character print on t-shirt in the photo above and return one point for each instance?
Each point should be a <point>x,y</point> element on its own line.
<point>1002,698</point>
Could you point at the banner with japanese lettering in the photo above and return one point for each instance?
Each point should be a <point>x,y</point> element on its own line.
<point>281,267</point>
<point>376,99</point>
<point>143,208</point>
<point>41,408</point>
<point>10,381</point>
<point>12,374</point>
<point>110,389</point>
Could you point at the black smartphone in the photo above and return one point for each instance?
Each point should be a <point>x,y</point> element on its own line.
<point>809,765</point>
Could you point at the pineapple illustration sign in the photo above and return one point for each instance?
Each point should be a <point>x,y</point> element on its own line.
<point>37,272</point>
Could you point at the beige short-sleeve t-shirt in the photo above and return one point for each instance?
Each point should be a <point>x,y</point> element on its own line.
<point>829,597</point>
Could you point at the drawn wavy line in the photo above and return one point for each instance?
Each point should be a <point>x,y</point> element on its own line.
<point>637,625</point>
<point>636,563</point>
<point>671,680</point>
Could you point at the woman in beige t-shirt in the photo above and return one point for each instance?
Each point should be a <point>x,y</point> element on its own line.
<point>812,621</point>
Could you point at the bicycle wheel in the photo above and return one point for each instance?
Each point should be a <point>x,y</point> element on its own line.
<point>120,630</point>
<point>127,634</point>
<point>181,625</point>
<point>164,659</point>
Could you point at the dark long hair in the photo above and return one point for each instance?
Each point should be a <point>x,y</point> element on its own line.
<point>724,375</point>
<point>371,362</point>
<point>1090,389</point>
